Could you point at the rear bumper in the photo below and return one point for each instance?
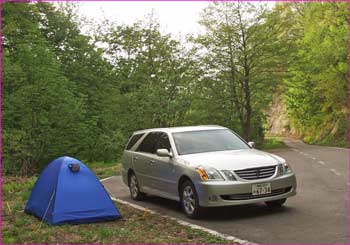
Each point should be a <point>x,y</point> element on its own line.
<point>229,193</point>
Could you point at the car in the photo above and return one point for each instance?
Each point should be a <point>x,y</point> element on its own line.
<point>204,166</point>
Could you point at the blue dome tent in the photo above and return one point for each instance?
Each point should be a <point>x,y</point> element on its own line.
<point>69,192</point>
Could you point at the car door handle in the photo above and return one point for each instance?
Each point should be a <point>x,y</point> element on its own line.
<point>135,158</point>
<point>152,162</point>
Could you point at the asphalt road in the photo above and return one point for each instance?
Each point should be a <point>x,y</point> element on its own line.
<point>319,213</point>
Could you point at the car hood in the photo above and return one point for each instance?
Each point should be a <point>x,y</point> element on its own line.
<point>232,160</point>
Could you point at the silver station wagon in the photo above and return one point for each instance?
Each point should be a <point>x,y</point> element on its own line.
<point>204,166</point>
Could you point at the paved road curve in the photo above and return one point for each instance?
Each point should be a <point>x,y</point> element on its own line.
<point>318,214</point>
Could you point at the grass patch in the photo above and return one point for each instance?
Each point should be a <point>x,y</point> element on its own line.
<point>272,143</point>
<point>328,141</point>
<point>104,170</point>
<point>134,227</point>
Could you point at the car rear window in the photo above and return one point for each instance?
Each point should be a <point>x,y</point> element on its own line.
<point>154,141</point>
<point>133,140</point>
<point>163,142</point>
<point>149,143</point>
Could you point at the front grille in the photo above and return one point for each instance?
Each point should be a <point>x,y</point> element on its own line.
<point>256,173</point>
<point>246,196</point>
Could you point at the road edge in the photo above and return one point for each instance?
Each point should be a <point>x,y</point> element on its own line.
<point>234,239</point>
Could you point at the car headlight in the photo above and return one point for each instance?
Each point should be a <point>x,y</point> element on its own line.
<point>209,173</point>
<point>228,174</point>
<point>284,168</point>
<point>287,168</point>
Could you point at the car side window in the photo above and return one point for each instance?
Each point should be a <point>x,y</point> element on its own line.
<point>149,143</point>
<point>133,141</point>
<point>163,142</point>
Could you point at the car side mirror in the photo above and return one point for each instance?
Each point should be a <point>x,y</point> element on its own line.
<point>251,144</point>
<point>164,153</point>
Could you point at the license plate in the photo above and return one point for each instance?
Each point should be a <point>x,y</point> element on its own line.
<point>261,189</point>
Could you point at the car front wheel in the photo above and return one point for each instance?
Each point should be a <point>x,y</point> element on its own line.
<point>134,188</point>
<point>189,200</point>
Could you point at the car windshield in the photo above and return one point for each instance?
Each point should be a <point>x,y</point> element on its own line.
<point>207,141</point>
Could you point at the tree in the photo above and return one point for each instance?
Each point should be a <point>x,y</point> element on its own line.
<point>155,74</point>
<point>316,88</point>
<point>41,114</point>
<point>239,64</point>
<point>83,63</point>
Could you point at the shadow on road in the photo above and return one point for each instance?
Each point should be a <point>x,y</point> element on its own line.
<point>222,213</point>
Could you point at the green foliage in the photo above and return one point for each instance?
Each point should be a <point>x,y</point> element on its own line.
<point>239,65</point>
<point>39,102</point>
<point>83,63</point>
<point>316,88</point>
<point>154,74</point>
<point>63,94</point>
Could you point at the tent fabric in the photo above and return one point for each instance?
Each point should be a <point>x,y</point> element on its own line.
<point>61,195</point>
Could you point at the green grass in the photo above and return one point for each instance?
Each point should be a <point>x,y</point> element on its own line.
<point>134,227</point>
<point>342,144</point>
<point>272,143</point>
<point>104,170</point>
<point>328,141</point>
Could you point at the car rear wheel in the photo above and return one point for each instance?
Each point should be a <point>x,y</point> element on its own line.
<point>276,204</point>
<point>189,200</point>
<point>134,188</point>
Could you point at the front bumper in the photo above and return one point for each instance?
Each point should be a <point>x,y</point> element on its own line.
<point>229,193</point>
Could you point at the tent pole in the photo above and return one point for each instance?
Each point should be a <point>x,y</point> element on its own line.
<point>53,193</point>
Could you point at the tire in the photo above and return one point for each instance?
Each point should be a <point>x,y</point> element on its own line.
<point>134,189</point>
<point>189,200</point>
<point>276,204</point>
